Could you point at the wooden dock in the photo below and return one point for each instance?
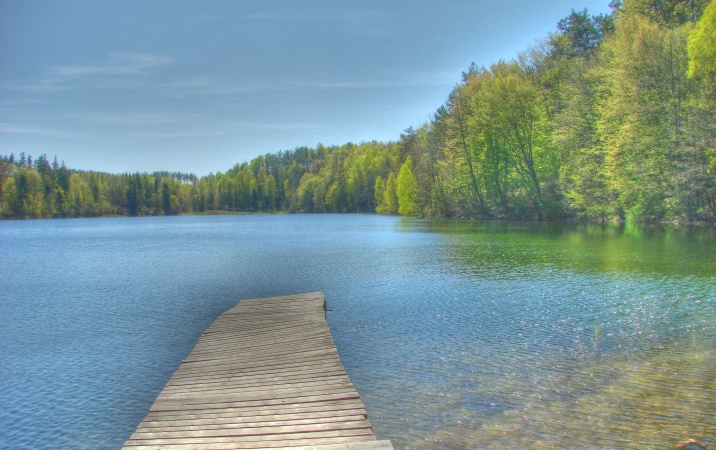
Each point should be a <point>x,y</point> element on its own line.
<point>265,374</point>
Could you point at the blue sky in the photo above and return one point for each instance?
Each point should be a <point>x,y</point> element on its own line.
<point>197,86</point>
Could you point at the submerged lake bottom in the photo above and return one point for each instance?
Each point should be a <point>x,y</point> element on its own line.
<point>456,334</point>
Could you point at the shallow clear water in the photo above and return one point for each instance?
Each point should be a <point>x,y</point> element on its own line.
<point>456,334</point>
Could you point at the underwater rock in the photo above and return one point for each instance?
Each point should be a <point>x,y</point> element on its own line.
<point>691,444</point>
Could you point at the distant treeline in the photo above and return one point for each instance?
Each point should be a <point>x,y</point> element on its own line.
<point>610,117</point>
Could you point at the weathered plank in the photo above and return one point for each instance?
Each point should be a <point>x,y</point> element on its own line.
<point>283,418</point>
<point>287,401</point>
<point>265,374</point>
<point>264,441</point>
<point>331,442</point>
<point>339,405</point>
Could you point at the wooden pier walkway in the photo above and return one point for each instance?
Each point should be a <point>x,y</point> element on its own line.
<point>265,374</point>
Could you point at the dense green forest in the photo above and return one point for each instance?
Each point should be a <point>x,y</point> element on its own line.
<point>612,117</point>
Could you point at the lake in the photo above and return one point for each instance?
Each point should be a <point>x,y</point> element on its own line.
<point>457,334</point>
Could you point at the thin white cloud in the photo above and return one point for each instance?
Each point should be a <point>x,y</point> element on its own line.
<point>119,70</point>
<point>210,126</point>
<point>226,129</point>
<point>212,86</point>
<point>25,129</point>
<point>11,107</point>
<point>386,80</point>
<point>169,124</point>
<point>16,128</point>
<point>116,119</point>
<point>281,126</point>
<point>119,63</point>
<point>43,86</point>
<point>215,86</point>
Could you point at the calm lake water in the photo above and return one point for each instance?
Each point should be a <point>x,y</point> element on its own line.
<point>457,334</point>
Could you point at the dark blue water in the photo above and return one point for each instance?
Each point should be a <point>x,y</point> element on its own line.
<point>456,334</point>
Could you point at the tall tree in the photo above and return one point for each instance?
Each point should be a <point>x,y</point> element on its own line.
<point>407,187</point>
<point>698,175</point>
<point>390,197</point>
<point>702,50</point>
<point>9,199</point>
<point>379,190</point>
<point>643,113</point>
<point>520,121</point>
<point>667,13</point>
<point>582,33</point>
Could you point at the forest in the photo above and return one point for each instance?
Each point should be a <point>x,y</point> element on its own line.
<point>611,117</point>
